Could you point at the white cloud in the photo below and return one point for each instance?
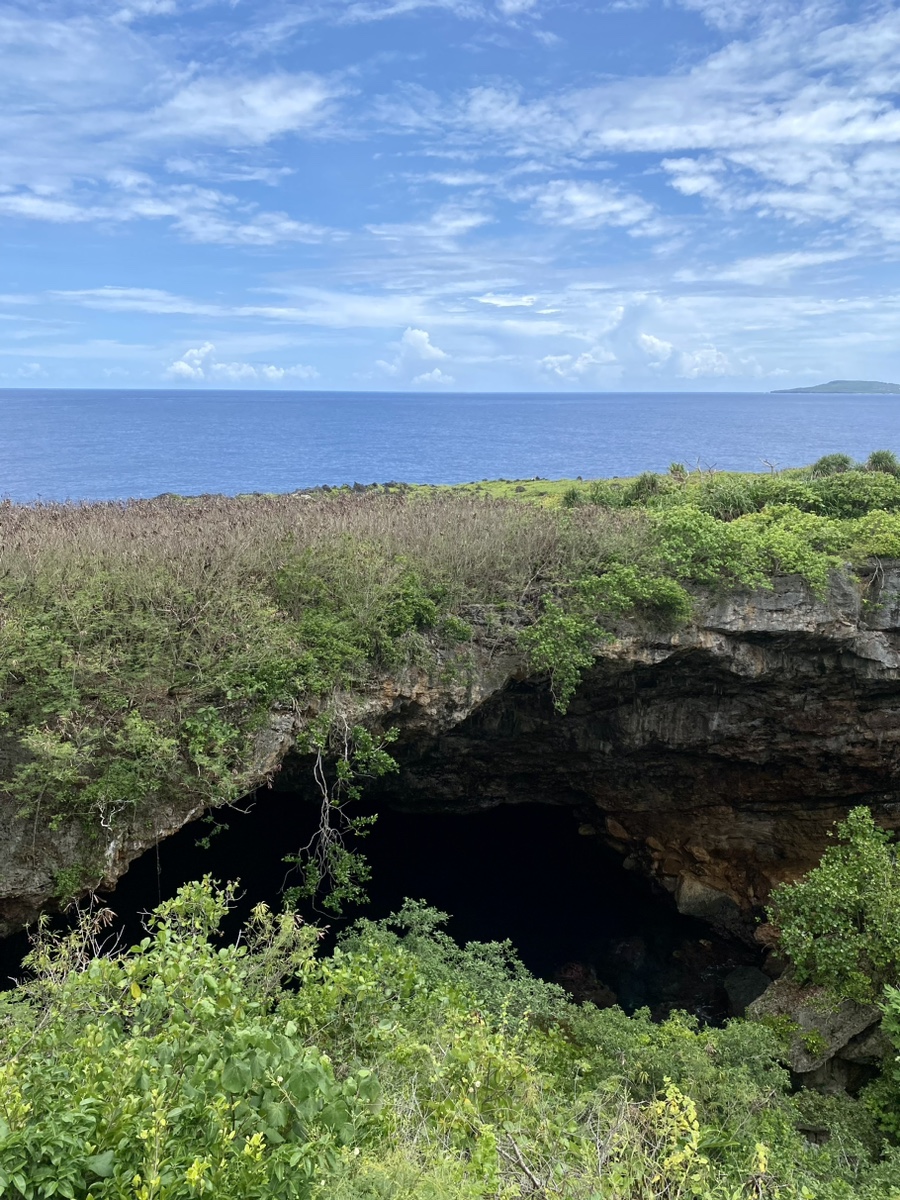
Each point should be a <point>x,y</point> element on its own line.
<point>414,348</point>
<point>193,363</point>
<point>585,205</point>
<point>657,349</point>
<point>515,8</point>
<point>576,367</point>
<point>704,363</point>
<point>505,300</point>
<point>31,370</point>
<point>201,215</point>
<point>730,15</point>
<point>795,119</point>
<point>379,10</point>
<point>418,343</point>
<point>764,270</point>
<point>199,365</point>
<point>242,111</point>
<point>435,376</point>
<point>135,9</point>
<point>444,226</point>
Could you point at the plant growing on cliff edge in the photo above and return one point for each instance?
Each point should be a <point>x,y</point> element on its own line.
<point>330,870</point>
<point>839,923</point>
<point>564,640</point>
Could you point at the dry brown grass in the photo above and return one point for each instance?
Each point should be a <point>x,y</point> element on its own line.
<point>480,549</point>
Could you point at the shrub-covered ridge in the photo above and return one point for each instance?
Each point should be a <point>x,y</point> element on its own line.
<point>143,644</point>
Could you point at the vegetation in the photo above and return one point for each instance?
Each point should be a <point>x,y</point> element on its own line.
<point>839,927</point>
<point>143,645</point>
<point>399,1067</point>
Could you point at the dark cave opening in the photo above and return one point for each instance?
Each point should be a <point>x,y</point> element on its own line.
<point>522,872</point>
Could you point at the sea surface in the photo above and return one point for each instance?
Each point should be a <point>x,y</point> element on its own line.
<point>80,445</point>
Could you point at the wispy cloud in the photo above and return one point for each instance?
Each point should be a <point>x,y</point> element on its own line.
<point>505,300</point>
<point>237,111</point>
<point>200,214</point>
<point>581,204</point>
<point>764,270</point>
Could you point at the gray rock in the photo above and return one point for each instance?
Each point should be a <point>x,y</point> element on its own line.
<point>824,1027</point>
<point>743,985</point>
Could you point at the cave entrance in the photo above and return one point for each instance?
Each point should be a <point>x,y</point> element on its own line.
<point>525,872</point>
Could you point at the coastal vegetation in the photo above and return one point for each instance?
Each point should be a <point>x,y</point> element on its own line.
<point>144,645</point>
<point>400,1066</point>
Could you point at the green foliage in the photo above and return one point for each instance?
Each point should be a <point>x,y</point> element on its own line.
<point>400,1066</point>
<point>839,923</point>
<point>562,645</point>
<point>165,1073</point>
<point>494,1084</point>
<point>832,464</point>
<point>330,870</point>
<point>563,642</point>
<point>143,645</point>
<point>883,460</point>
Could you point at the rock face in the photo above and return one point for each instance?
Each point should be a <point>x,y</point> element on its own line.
<point>714,758</point>
<point>833,1047</point>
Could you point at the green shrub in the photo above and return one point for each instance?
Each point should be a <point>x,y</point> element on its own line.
<point>839,923</point>
<point>855,493</point>
<point>832,464</point>
<point>165,1073</point>
<point>883,460</point>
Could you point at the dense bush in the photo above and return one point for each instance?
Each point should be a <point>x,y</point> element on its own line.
<point>839,924</point>
<point>401,1066</point>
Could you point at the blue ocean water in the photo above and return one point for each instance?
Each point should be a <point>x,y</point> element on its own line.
<point>58,445</point>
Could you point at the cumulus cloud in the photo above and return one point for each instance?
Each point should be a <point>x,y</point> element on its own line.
<point>414,348</point>
<point>192,364</point>
<point>435,376</point>
<point>200,365</point>
<point>658,350</point>
<point>703,363</point>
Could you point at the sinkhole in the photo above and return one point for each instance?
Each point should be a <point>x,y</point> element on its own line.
<point>523,872</point>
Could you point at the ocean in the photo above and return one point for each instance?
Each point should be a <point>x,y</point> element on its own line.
<point>89,445</point>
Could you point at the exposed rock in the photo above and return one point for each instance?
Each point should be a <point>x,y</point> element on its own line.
<point>831,1040</point>
<point>743,985</point>
<point>714,758</point>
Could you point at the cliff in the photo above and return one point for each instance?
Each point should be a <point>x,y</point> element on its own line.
<point>714,758</point>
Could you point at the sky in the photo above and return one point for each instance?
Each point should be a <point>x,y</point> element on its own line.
<point>449,195</point>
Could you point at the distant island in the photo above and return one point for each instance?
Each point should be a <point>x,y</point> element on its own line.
<point>869,386</point>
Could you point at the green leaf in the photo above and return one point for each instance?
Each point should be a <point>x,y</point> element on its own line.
<point>236,1076</point>
<point>101,1164</point>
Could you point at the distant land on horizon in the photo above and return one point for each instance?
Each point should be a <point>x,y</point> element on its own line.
<point>863,387</point>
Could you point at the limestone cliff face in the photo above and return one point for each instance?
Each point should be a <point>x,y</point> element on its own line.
<point>714,758</point>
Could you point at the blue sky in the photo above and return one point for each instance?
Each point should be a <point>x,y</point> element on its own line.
<point>449,194</point>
